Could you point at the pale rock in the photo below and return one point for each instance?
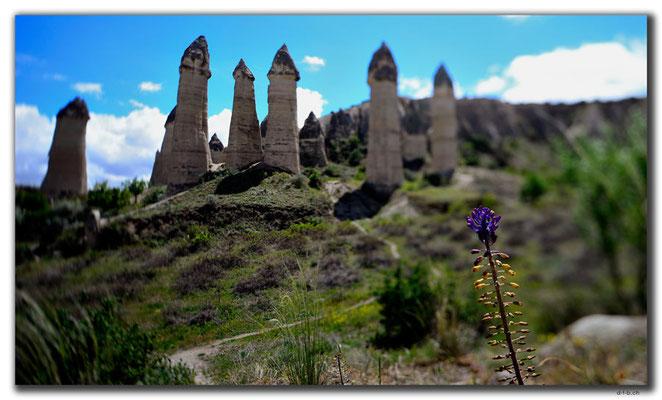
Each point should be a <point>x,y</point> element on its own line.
<point>160,169</point>
<point>311,143</point>
<point>67,164</point>
<point>443,130</point>
<point>190,146</point>
<point>384,169</point>
<point>281,141</point>
<point>244,141</point>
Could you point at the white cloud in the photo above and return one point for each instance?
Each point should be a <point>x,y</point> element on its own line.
<point>55,77</point>
<point>314,63</point>
<point>491,85</point>
<point>86,87</point>
<point>307,101</point>
<point>120,148</point>
<point>150,86</point>
<point>604,71</point>
<point>458,90</point>
<point>136,103</point>
<point>416,88</point>
<point>33,136</point>
<point>117,147</point>
<point>220,125</point>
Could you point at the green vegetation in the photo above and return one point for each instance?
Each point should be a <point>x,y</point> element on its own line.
<point>407,308</point>
<point>88,346</point>
<point>350,151</point>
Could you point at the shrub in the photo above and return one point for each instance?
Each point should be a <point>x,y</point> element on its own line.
<point>202,275</point>
<point>155,194</point>
<point>407,310</point>
<point>91,346</point>
<point>197,237</point>
<point>533,188</point>
<point>315,180</point>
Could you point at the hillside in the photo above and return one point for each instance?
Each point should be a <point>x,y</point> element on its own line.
<point>230,275</point>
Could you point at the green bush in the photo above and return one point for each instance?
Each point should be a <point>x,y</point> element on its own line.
<point>533,187</point>
<point>108,199</point>
<point>89,346</point>
<point>135,187</point>
<point>197,237</point>
<point>154,195</point>
<point>350,151</point>
<point>315,179</point>
<point>407,312</point>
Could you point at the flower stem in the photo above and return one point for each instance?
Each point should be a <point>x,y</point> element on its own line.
<point>504,320</point>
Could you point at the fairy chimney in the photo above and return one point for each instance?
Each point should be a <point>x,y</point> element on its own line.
<point>67,165</point>
<point>311,143</point>
<point>216,149</point>
<point>160,169</point>
<point>190,139</point>
<point>384,169</point>
<point>244,142</point>
<point>281,143</point>
<point>443,132</point>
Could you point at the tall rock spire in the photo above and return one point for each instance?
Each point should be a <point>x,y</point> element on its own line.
<point>67,163</point>
<point>443,135</point>
<point>281,142</point>
<point>190,148</point>
<point>384,169</point>
<point>216,149</point>
<point>244,141</point>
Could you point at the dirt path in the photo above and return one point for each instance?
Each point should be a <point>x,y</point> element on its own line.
<point>193,357</point>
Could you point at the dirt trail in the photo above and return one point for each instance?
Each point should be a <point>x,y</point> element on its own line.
<point>193,357</point>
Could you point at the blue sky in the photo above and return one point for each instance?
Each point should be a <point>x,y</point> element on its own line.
<point>126,68</point>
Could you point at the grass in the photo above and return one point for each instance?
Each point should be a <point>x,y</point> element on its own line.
<point>236,281</point>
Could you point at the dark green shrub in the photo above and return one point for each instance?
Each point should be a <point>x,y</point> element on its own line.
<point>315,179</point>
<point>407,313</point>
<point>154,195</point>
<point>89,346</point>
<point>533,188</point>
<point>197,237</point>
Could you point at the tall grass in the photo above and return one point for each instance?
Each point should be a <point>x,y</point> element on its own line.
<point>304,356</point>
<point>86,346</point>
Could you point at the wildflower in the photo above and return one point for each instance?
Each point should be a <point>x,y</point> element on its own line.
<point>484,222</point>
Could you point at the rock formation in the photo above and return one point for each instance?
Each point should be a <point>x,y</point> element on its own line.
<point>67,165</point>
<point>160,169</point>
<point>384,171</point>
<point>443,133</point>
<point>311,143</point>
<point>281,143</point>
<point>190,148</point>
<point>244,142</point>
<point>216,149</point>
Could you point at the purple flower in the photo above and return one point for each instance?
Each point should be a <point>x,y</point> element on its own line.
<point>484,222</point>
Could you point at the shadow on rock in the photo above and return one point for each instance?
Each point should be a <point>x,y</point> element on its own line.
<point>359,204</point>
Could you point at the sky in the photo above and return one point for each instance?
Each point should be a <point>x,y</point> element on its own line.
<point>126,69</point>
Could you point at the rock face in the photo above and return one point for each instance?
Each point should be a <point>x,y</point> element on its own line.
<point>67,165</point>
<point>384,171</point>
<point>216,149</point>
<point>311,143</point>
<point>443,132</point>
<point>190,148</point>
<point>281,142</point>
<point>162,159</point>
<point>487,127</point>
<point>244,142</point>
